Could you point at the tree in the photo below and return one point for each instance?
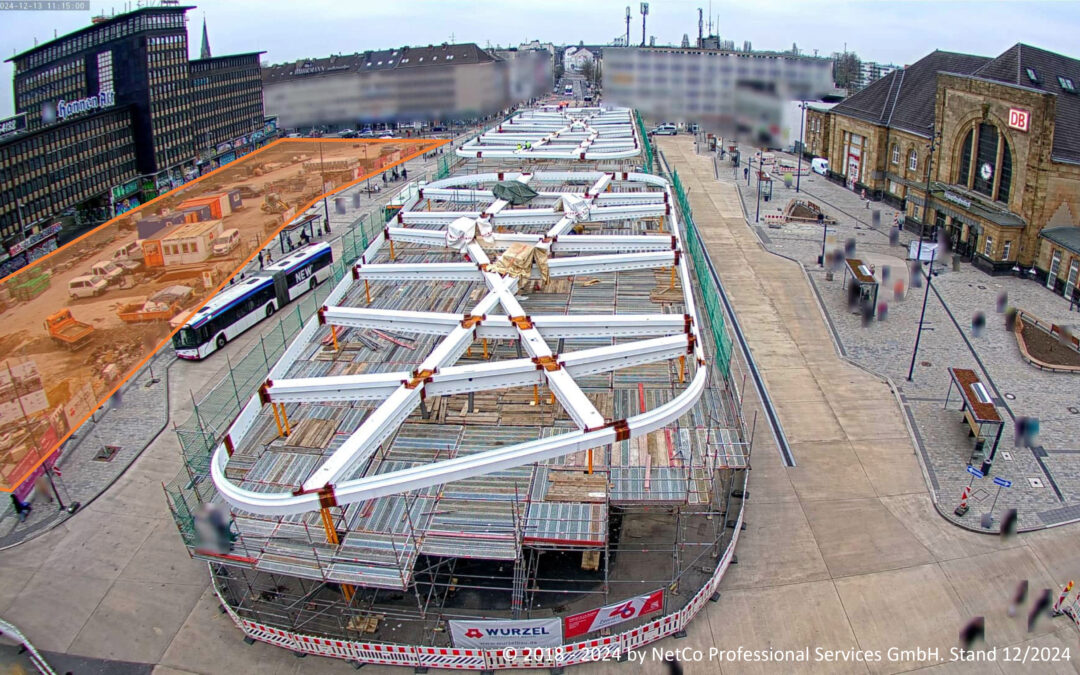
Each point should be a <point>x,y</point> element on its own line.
<point>847,70</point>
<point>588,69</point>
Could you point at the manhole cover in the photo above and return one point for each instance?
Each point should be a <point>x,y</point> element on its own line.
<point>981,287</point>
<point>925,364</point>
<point>979,495</point>
<point>1074,410</point>
<point>106,453</point>
<point>1011,397</point>
<point>1035,482</point>
<point>1005,454</point>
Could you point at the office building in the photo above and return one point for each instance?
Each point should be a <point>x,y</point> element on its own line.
<point>112,114</point>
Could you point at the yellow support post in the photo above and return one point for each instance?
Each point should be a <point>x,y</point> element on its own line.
<point>590,461</point>
<point>391,250</point>
<point>552,398</point>
<point>333,336</point>
<point>673,276</point>
<point>285,419</point>
<point>280,430</point>
<point>661,226</point>
<point>485,349</point>
<point>468,351</point>
<point>536,394</point>
<point>328,525</point>
<point>682,369</point>
<point>367,291</point>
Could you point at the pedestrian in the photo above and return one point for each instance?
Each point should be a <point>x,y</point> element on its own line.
<point>404,173</point>
<point>22,509</point>
<point>746,172</point>
<point>269,258</point>
<point>326,226</point>
<point>261,263</point>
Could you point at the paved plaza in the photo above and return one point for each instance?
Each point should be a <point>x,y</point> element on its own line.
<point>843,551</point>
<point>1045,478</point>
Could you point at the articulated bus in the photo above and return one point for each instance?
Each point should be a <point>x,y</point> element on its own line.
<point>239,307</point>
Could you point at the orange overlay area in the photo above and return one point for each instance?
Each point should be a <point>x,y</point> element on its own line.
<point>83,319</point>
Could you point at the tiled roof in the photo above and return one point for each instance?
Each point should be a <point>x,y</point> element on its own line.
<point>1069,237</point>
<point>383,59</point>
<point>1011,67</point>
<point>904,99</point>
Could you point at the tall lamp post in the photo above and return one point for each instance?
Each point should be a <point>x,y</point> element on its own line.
<point>922,315</point>
<point>798,157</point>
<point>757,213</point>
<point>926,196</point>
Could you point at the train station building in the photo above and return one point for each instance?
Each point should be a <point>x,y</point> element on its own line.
<point>1006,154</point>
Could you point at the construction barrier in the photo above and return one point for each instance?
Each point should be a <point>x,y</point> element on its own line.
<point>605,648</point>
<point>11,632</point>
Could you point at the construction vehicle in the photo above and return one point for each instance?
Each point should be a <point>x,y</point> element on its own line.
<point>272,203</point>
<point>66,330</point>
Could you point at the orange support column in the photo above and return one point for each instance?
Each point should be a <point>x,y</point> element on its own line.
<point>682,369</point>
<point>485,348</point>
<point>333,336</point>
<point>367,291</point>
<point>391,249</point>
<point>285,419</point>
<point>590,461</point>
<point>536,394</point>
<point>277,419</point>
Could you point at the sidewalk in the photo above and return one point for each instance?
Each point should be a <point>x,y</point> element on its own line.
<point>1046,478</point>
<point>845,550</point>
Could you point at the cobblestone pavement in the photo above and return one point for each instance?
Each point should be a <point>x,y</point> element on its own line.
<point>131,421</point>
<point>1045,478</point>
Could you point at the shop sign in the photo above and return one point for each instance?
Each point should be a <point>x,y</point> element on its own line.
<point>35,239</point>
<point>957,199</point>
<point>121,191</point>
<point>1019,119</point>
<point>11,125</point>
<point>105,99</point>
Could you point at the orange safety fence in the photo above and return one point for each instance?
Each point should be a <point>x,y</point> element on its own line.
<point>77,323</point>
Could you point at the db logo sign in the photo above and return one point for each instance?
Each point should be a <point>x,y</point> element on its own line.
<point>625,611</point>
<point>1019,119</point>
<point>474,633</point>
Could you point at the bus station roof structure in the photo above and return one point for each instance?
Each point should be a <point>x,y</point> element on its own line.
<point>559,133</point>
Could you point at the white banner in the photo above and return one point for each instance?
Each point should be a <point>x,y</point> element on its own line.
<point>500,634</point>
<point>631,608</point>
<point>927,253</point>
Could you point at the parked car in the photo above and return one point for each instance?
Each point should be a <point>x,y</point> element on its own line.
<point>347,133</point>
<point>819,165</point>
<point>665,130</point>
<point>107,270</point>
<point>225,243</point>
<point>130,251</point>
<point>87,286</point>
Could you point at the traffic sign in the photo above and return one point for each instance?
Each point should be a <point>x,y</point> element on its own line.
<point>974,472</point>
<point>1002,482</point>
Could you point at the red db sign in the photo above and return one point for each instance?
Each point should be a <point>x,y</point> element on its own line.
<point>1019,119</point>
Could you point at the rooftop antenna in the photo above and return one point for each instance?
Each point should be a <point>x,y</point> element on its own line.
<point>700,26</point>
<point>627,43</point>
<point>710,18</point>
<point>644,13</point>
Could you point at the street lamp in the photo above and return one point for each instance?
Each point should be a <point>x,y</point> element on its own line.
<point>757,214</point>
<point>922,315</point>
<point>926,197</point>
<point>798,157</point>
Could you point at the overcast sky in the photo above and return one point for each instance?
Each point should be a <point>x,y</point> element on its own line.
<point>896,31</point>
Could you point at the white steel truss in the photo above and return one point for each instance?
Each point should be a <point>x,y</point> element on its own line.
<point>664,337</point>
<point>568,133</point>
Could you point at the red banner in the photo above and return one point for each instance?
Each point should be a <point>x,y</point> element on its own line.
<point>597,619</point>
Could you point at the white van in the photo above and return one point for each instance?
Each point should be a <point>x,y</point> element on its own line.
<point>87,286</point>
<point>130,251</point>
<point>228,240</point>
<point>819,165</point>
<point>107,270</point>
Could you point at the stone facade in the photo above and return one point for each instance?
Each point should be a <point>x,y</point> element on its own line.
<point>997,232</point>
<point>816,135</point>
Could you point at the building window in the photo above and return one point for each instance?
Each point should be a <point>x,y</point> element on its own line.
<point>1067,84</point>
<point>913,160</point>
<point>1006,250</point>
<point>981,172</point>
<point>896,154</point>
<point>988,246</point>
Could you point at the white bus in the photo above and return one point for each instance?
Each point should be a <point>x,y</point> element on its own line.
<point>239,307</point>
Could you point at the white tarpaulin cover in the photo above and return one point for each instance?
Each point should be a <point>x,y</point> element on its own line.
<point>928,252</point>
<point>575,207</point>
<point>469,634</point>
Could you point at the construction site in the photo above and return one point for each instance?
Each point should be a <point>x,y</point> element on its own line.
<point>88,314</point>
<point>515,412</point>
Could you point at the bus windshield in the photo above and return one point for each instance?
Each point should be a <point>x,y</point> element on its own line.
<point>186,338</point>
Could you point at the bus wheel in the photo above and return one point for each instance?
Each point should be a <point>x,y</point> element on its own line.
<point>270,309</point>
<point>221,341</point>
<point>314,283</point>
